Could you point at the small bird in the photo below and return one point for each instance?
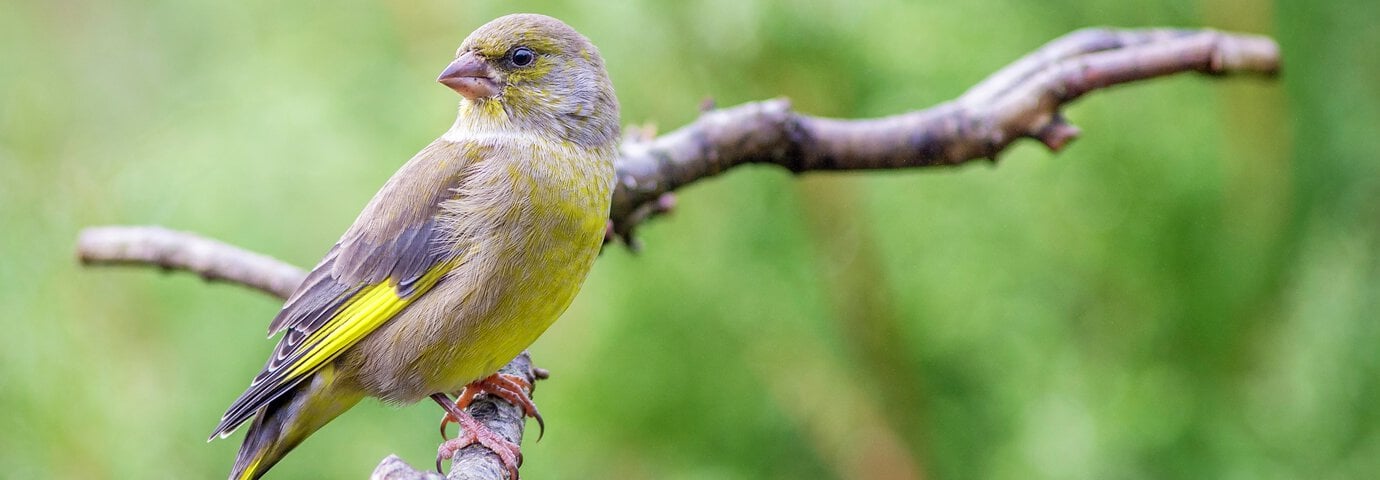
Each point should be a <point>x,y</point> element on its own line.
<point>463,258</point>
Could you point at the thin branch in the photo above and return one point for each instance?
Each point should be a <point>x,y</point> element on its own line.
<point>1021,100</point>
<point>181,251</point>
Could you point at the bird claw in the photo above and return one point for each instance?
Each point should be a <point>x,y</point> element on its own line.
<point>462,401</point>
<point>511,388</point>
<point>509,453</point>
<point>472,432</point>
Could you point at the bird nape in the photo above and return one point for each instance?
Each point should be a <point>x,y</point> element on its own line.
<point>463,258</point>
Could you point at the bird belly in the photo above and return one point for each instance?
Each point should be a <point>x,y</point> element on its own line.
<point>494,305</point>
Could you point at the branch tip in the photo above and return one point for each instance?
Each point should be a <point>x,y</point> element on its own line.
<point>708,104</point>
<point>1057,134</point>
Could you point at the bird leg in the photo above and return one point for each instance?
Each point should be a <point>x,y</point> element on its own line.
<point>473,432</point>
<point>506,386</point>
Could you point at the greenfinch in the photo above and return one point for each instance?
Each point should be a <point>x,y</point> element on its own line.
<point>463,258</point>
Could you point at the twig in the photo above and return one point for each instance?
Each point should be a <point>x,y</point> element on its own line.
<point>181,251</point>
<point>1021,100</point>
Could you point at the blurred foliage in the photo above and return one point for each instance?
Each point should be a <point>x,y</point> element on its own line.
<point>1190,291</point>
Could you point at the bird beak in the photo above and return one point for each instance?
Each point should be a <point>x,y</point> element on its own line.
<point>470,76</point>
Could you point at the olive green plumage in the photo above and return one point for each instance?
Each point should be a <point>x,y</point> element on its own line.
<point>464,257</point>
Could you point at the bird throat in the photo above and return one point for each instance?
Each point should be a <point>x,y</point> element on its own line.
<point>480,118</point>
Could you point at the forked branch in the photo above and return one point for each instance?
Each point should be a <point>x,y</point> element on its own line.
<point>1023,100</point>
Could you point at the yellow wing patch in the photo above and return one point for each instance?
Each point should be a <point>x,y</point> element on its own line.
<point>253,466</point>
<point>362,314</point>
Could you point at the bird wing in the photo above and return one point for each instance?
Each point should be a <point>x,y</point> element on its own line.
<point>391,256</point>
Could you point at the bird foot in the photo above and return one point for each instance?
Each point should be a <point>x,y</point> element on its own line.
<point>472,432</point>
<point>511,388</point>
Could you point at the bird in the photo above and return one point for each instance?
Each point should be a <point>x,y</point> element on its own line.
<point>461,260</point>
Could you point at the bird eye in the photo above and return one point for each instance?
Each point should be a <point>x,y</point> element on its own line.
<point>522,56</point>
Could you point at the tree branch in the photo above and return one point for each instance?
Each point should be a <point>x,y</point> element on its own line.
<point>172,250</point>
<point>1021,100</point>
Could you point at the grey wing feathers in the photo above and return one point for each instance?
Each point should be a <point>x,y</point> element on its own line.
<point>395,240</point>
<point>317,301</point>
<point>403,260</point>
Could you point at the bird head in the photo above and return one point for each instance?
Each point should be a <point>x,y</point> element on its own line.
<point>534,73</point>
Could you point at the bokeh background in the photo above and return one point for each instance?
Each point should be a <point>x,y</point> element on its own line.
<point>1192,290</point>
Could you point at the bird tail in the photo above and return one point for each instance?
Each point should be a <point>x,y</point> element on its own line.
<point>282,424</point>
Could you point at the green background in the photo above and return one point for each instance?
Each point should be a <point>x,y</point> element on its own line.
<point>1192,290</point>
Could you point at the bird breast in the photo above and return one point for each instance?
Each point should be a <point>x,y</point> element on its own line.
<point>525,227</point>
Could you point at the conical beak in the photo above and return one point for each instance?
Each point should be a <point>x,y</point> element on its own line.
<point>470,76</point>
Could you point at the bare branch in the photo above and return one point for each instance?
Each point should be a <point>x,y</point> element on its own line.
<point>173,250</point>
<point>1021,100</point>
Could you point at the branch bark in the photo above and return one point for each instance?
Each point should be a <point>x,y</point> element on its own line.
<point>172,250</point>
<point>1023,100</point>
